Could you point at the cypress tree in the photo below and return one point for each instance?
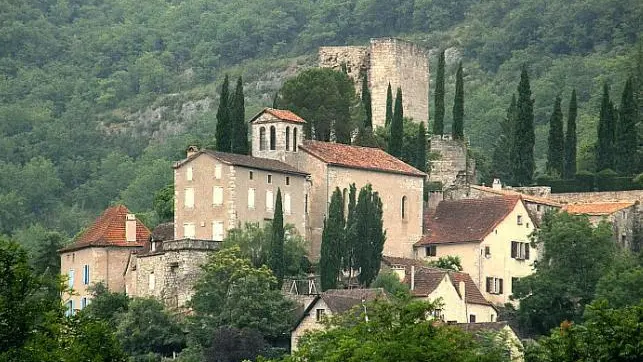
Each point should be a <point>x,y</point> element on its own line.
<point>370,234</point>
<point>389,106</point>
<point>438,122</point>
<point>349,251</point>
<point>397,127</point>
<point>238,121</point>
<point>223,131</point>
<point>275,100</point>
<point>330,262</point>
<point>570,139</point>
<point>626,144</point>
<point>420,148</point>
<point>276,259</point>
<point>501,159</point>
<point>556,144</point>
<point>366,101</point>
<point>458,106</point>
<point>523,138</point>
<point>606,128</point>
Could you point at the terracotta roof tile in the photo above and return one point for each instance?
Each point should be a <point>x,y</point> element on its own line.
<point>467,220</point>
<point>245,161</point>
<point>282,114</point>
<point>526,197</point>
<point>597,208</point>
<point>109,230</point>
<point>471,291</point>
<point>338,154</point>
<point>341,300</point>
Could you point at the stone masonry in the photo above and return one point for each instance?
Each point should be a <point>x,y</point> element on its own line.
<point>453,161</point>
<point>387,60</point>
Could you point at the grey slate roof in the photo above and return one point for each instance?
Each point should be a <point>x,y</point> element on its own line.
<point>245,161</point>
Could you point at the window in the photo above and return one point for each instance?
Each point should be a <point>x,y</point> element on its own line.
<point>188,174</point>
<point>189,230</point>
<point>431,250</point>
<point>273,138</point>
<point>494,285</point>
<point>487,251</point>
<point>70,277</point>
<point>251,175</point>
<point>217,196</point>
<point>217,230</point>
<point>217,172</point>
<point>251,198</point>
<point>294,139</point>
<point>403,207</point>
<point>69,308</point>
<point>83,302</point>
<point>287,181</point>
<point>262,138</point>
<point>539,208</point>
<point>270,204</point>
<point>519,219</point>
<point>287,203</point>
<point>151,281</point>
<point>527,225</point>
<point>269,179</point>
<point>86,274</point>
<point>472,318</point>
<point>519,251</point>
<point>287,138</point>
<point>320,314</point>
<point>189,198</point>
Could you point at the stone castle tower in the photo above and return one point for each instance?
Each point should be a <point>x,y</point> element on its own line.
<point>386,60</point>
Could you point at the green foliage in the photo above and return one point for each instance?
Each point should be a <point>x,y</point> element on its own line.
<point>450,262</point>
<point>626,140</point>
<point>333,238</point>
<point>276,260</point>
<point>239,143</point>
<point>501,166</point>
<point>622,285</point>
<point>351,247</point>
<point>522,150</point>
<point>396,140</point>
<point>570,138</point>
<point>605,146</point>
<point>457,130</point>
<point>556,142</point>
<point>234,344</point>
<point>389,106</point>
<point>164,203</point>
<point>438,120</point>
<point>419,160</point>
<point>224,119</point>
<point>106,306</point>
<point>369,234</point>
<point>390,282</point>
<point>366,102</point>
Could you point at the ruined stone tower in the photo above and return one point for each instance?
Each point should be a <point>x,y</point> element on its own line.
<point>387,60</point>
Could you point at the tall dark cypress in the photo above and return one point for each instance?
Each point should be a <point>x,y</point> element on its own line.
<point>606,128</point>
<point>458,106</point>
<point>501,158</point>
<point>366,102</point>
<point>524,138</point>
<point>223,131</point>
<point>570,139</point>
<point>397,127</point>
<point>626,145</point>
<point>330,262</point>
<point>370,233</point>
<point>438,121</point>
<point>556,144</point>
<point>276,259</point>
<point>238,121</point>
<point>420,148</point>
<point>350,231</point>
<point>389,106</point>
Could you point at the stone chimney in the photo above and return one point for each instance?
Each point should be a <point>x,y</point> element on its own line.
<point>130,228</point>
<point>412,277</point>
<point>192,150</point>
<point>496,185</point>
<point>462,290</point>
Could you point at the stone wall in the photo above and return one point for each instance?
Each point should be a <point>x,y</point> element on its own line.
<point>356,59</point>
<point>453,160</point>
<point>603,196</point>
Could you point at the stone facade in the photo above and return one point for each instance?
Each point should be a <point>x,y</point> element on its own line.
<point>288,137</point>
<point>387,60</point>
<point>453,165</point>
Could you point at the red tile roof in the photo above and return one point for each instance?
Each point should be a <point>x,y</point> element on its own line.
<point>282,114</point>
<point>338,154</point>
<point>471,291</point>
<point>597,208</point>
<point>109,230</point>
<point>468,220</point>
<point>526,197</point>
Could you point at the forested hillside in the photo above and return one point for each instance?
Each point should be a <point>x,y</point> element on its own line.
<point>79,75</point>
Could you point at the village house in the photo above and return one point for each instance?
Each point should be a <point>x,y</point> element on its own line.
<point>100,255</point>
<point>489,235</point>
<point>623,216</point>
<point>461,300</point>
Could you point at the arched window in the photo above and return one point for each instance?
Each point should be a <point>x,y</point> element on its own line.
<point>294,139</point>
<point>287,138</point>
<point>273,138</point>
<point>403,207</point>
<point>262,138</point>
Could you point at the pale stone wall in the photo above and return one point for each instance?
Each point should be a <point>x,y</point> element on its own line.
<point>483,313</point>
<point>309,323</point>
<point>266,121</point>
<point>603,196</point>
<point>356,59</point>
<point>234,211</point>
<point>453,160</point>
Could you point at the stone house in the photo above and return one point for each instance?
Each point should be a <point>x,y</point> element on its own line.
<point>100,255</point>
<point>462,301</point>
<point>503,331</point>
<point>490,236</point>
<point>327,304</point>
<point>624,217</point>
<point>332,165</point>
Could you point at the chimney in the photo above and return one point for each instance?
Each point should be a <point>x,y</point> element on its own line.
<point>412,277</point>
<point>462,290</point>
<point>192,150</point>
<point>130,228</point>
<point>496,185</point>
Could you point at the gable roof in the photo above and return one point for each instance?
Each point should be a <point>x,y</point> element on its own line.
<point>526,197</point>
<point>282,114</point>
<point>597,208</point>
<point>234,159</point>
<point>467,220</point>
<point>471,292</point>
<point>366,158</point>
<point>109,230</point>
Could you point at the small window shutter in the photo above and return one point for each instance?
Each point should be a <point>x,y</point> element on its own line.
<point>500,290</point>
<point>489,282</point>
<point>270,204</point>
<point>287,204</point>
<point>251,198</point>
<point>514,247</point>
<point>217,195</point>
<point>527,251</point>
